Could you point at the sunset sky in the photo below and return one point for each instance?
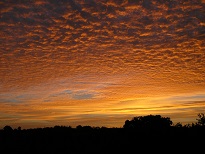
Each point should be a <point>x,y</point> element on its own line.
<point>100,62</point>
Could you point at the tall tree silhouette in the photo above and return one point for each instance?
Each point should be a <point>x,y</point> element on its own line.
<point>149,121</point>
<point>201,119</point>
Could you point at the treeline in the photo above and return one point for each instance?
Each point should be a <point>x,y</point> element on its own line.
<point>141,133</point>
<point>138,122</point>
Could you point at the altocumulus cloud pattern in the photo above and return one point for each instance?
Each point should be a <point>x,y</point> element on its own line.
<point>104,51</point>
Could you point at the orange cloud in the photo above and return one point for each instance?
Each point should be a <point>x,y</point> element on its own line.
<point>103,52</point>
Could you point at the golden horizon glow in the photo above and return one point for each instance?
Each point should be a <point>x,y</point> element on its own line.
<point>100,63</point>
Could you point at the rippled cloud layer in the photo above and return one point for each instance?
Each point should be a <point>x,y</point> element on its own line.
<point>72,55</point>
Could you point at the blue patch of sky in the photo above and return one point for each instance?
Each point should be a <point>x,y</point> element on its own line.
<point>80,95</point>
<point>64,92</point>
<point>10,100</point>
<point>77,95</point>
<point>6,98</point>
<point>67,92</point>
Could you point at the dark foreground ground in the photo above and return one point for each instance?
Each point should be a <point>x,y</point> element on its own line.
<point>88,140</point>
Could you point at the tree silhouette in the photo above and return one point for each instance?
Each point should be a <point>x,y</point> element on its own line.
<point>201,119</point>
<point>8,128</point>
<point>178,124</point>
<point>149,121</point>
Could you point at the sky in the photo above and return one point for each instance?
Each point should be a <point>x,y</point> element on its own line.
<point>100,62</point>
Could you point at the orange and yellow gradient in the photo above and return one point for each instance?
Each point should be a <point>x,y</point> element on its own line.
<point>100,63</point>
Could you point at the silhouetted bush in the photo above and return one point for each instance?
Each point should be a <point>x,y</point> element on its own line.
<point>148,122</point>
<point>8,128</point>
